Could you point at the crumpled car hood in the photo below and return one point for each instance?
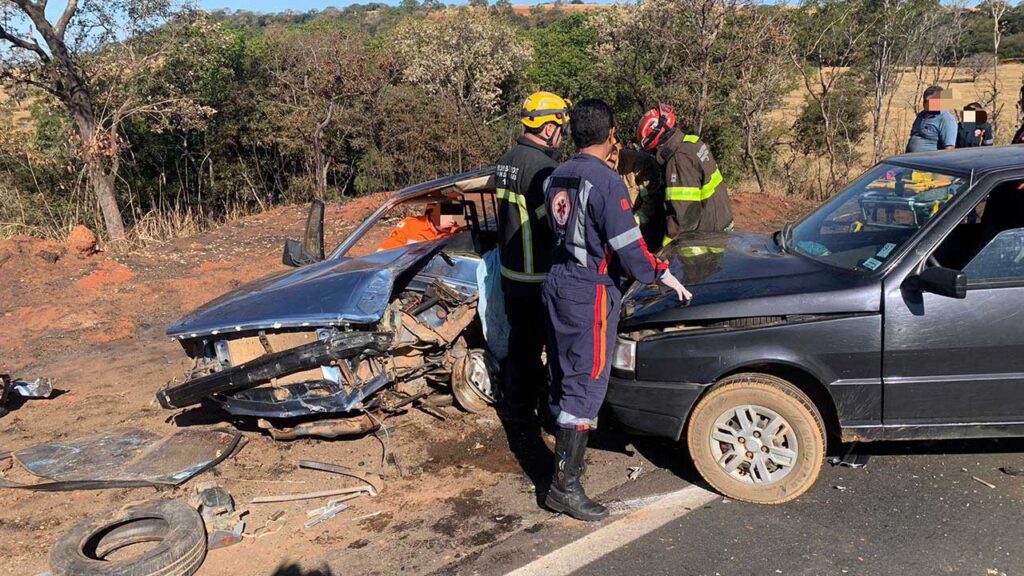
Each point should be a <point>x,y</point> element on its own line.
<point>327,293</point>
<point>740,275</point>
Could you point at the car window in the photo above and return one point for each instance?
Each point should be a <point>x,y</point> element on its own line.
<point>874,218</point>
<point>972,244</point>
<point>1001,259</point>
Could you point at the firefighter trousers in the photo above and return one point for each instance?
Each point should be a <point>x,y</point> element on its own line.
<point>526,384</point>
<point>582,321</point>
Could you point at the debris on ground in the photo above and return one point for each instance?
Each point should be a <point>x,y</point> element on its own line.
<point>374,480</point>
<point>224,526</point>
<point>326,512</point>
<point>175,528</point>
<point>980,481</point>
<point>1012,471</point>
<point>40,388</point>
<point>850,459</point>
<point>124,459</point>
<point>635,472</point>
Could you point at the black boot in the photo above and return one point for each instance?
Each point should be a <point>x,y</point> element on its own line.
<point>566,494</point>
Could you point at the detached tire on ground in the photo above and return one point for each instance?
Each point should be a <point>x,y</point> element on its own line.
<point>757,438</point>
<point>175,526</point>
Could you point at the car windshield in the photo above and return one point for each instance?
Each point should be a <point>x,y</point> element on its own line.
<point>871,221</point>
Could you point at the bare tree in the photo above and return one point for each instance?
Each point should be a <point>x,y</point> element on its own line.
<point>835,34</point>
<point>51,56</point>
<point>997,9</point>
<point>764,76</point>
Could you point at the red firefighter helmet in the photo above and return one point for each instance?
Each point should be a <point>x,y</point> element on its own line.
<point>654,124</point>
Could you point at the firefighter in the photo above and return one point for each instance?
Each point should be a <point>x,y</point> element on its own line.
<point>525,246</point>
<point>695,196</point>
<point>597,243</point>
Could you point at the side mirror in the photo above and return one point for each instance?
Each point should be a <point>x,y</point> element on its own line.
<point>311,249</point>
<point>941,281</point>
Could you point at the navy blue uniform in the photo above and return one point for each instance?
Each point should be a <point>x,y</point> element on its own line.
<point>597,245</point>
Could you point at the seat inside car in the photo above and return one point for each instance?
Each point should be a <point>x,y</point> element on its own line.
<point>1003,209</point>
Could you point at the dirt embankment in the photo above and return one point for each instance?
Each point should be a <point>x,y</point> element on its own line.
<point>95,324</point>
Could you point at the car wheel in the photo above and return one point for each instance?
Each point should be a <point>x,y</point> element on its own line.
<point>757,438</point>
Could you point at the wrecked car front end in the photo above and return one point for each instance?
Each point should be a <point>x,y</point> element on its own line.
<point>333,347</point>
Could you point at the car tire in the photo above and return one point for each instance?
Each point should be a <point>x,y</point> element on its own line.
<point>732,448</point>
<point>176,528</point>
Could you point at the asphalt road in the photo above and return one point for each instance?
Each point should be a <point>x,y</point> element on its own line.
<point>914,509</point>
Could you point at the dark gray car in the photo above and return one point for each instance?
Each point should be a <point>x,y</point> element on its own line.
<point>891,312</point>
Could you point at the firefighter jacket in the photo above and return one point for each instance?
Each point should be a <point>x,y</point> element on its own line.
<point>524,237</point>
<point>695,196</point>
<point>643,177</point>
<point>596,236</point>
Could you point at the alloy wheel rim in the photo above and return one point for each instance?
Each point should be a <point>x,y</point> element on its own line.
<point>754,444</point>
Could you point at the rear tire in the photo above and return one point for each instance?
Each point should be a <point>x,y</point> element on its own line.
<point>757,438</point>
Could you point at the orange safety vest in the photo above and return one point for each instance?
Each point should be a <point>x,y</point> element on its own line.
<point>415,229</point>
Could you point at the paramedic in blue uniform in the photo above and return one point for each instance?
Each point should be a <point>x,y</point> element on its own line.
<point>598,246</point>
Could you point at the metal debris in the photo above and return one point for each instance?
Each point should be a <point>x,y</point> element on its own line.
<point>224,526</point>
<point>635,472</point>
<point>353,492</point>
<point>850,460</point>
<point>372,479</point>
<point>124,459</point>
<point>327,512</point>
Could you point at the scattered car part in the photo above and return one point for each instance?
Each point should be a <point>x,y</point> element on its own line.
<point>125,458</point>
<point>354,492</point>
<point>335,428</point>
<point>38,388</point>
<point>223,526</point>
<point>757,438</point>
<point>175,526</point>
<point>475,381</point>
<point>301,399</point>
<point>374,480</point>
<point>267,367</point>
<point>850,460</point>
<point>327,512</point>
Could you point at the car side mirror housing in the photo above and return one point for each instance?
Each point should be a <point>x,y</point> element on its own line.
<point>311,249</point>
<point>941,281</point>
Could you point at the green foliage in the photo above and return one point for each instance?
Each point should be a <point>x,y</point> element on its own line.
<point>563,61</point>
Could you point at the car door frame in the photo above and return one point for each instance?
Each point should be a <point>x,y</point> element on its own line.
<point>911,262</point>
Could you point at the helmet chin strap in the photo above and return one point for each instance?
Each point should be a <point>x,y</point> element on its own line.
<point>550,140</point>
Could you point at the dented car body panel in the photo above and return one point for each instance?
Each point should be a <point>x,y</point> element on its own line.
<point>328,293</point>
<point>355,337</point>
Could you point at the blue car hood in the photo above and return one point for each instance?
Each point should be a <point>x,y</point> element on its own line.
<point>335,291</point>
<point>739,275</point>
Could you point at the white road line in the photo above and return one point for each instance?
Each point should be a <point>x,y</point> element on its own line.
<point>593,546</point>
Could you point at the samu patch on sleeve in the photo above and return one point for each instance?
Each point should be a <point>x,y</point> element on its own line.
<point>625,204</point>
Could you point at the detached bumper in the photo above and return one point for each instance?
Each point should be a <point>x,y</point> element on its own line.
<point>653,408</point>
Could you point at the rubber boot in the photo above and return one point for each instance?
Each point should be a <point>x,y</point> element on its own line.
<point>566,494</point>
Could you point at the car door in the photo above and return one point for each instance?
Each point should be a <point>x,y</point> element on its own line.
<point>959,361</point>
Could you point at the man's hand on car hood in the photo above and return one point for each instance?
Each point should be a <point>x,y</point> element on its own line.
<point>672,282</point>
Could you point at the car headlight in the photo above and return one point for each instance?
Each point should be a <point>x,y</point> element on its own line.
<point>624,356</point>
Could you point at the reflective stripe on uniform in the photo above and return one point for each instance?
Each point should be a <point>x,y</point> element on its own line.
<point>579,236</point>
<point>519,200</point>
<point>541,211</point>
<point>692,139</point>
<point>522,276</point>
<point>625,239</point>
<point>692,193</point>
<point>666,240</point>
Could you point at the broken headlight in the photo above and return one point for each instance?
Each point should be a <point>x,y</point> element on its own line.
<point>624,356</point>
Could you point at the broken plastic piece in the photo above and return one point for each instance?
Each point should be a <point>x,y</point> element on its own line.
<point>850,460</point>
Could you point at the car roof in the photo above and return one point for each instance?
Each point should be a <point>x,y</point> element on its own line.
<point>472,181</point>
<point>964,161</point>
